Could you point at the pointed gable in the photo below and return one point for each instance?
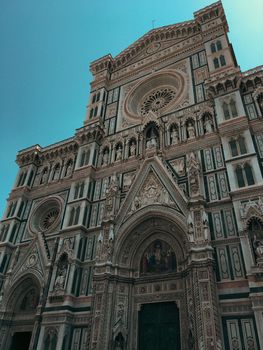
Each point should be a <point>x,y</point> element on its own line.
<point>153,185</point>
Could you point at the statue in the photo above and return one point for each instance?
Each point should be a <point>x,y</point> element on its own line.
<point>258,247</point>
<point>60,281</point>
<point>191,131</point>
<point>205,225</point>
<point>105,157</point>
<point>174,136</point>
<point>208,125</point>
<point>193,173</point>
<point>133,149</point>
<point>118,153</point>
<point>151,143</point>
<point>44,176</point>
<point>190,225</point>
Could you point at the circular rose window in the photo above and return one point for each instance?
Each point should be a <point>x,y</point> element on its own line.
<point>157,100</point>
<point>159,93</point>
<point>46,215</point>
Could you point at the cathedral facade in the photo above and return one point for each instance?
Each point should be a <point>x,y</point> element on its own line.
<point>144,230</point>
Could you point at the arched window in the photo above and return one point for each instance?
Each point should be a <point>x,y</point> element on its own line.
<point>219,45</point>
<point>84,160</point>
<point>249,174</point>
<point>233,108</point>
<point>213,47</point>
<point>222,60</point>
<point>234,149</point>
<point>94,98</point>
<point>29,182</point>
<point>95,111</point>
<point>226,111</point>
<point>68,168</point>
<point>216,62</point>
<point>91,113</point>
<point>244,175</point>
<point>56,172</point>
<point>240,177</point>
<point>242,145</point>
<point>98,96</point>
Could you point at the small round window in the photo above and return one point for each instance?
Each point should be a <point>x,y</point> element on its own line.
<point>46,216</point>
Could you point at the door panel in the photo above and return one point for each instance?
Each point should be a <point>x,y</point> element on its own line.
<point>159,327</point>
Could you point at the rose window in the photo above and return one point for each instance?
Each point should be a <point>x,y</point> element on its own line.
<point>45,217</point>
<point>157,100</point>
<point>49,219</point>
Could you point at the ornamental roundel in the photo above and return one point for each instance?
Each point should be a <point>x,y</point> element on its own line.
<point>46,216</point>
<point>159,93</point>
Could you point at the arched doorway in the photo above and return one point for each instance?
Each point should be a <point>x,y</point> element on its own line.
<point>21,311</point>
<point>154,253</point>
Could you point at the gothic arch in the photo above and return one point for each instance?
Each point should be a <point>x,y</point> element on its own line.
<point>20,288</point>
<point>146,226</point>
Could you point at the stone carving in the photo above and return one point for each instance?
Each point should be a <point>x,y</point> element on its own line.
<point>174,136</point>
<point>208,125</point>
<point>193,169</point>
<point>190,130</point>
<point>179,166</point>
<point>251,207</point>
<point>118,153</point>
<point>258,247</point>
<point>133,149</point>
<point>105,243</point>
<point>205,226</point>
<point>190,225</point>
<point>151,193</point>
<point>61,273</point>
<point>127,180</point>
<point>111,193</point>
<point>151,142</point>
<point>105,157</point>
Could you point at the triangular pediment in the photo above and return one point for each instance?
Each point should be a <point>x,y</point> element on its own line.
<point>155,41</point>
<point>153,185</point>
<point>32,260</point>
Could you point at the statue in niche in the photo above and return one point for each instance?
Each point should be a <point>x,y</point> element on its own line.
<point>208,125</point>
<point>69,168</point>
<point>105,157</point>
<point>258,247</point>
<point>193,173</point>
<point>61,273</point>
<point>132,149</point>
<point>118,153</point>
<point>151,138</point>
<point>205,225</point>
<point>159,257</point>
<point>44,176</point>
<point>191,131</point>
<point>111,192</point>
<point>190,226</point>
<point>174,136</point>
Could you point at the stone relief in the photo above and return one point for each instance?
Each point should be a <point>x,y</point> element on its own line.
<point>193,169</point>
<point>152,192</point>
<point>179,166</point>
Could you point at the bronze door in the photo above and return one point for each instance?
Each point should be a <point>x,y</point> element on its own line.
<point>159,327</point>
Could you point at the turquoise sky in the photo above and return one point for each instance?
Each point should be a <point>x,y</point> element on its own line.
<point>45,51</point>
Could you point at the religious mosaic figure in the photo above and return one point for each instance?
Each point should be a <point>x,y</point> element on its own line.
<point>159,257</point>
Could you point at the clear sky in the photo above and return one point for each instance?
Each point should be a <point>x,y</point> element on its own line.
<point>45,51</point>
